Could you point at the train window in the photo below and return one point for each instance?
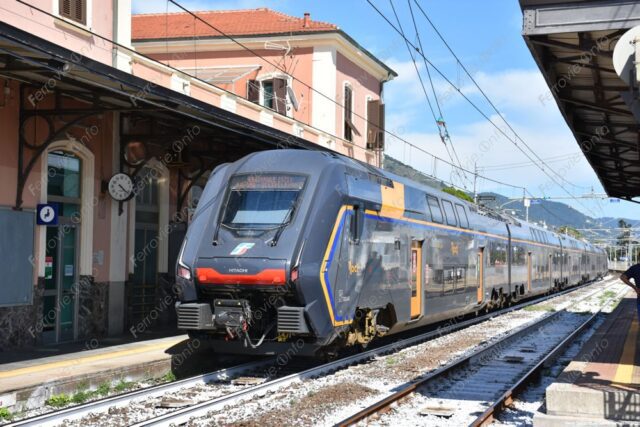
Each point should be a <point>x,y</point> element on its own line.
<point>357,224</point>
<point>518,256</point>
<point>261,201</point>
<point>449,213</point>
<point>434,208</point>
<point>380,180</point>
<point>462,215</point>
<point>497,254</point>
<point>415,206</point>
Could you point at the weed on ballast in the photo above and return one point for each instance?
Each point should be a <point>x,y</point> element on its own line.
<point>58,400</point>
<point>5,414</point>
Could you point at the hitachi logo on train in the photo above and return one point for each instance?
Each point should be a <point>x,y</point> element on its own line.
<point>238,270</point>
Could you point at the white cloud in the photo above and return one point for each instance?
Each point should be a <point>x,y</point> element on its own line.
<point>516,93</point>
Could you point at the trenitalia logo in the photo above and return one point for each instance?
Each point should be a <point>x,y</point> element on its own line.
<point>242,248</point>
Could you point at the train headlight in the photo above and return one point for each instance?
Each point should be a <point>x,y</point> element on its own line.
<point>294,274</point>
<point>183,272</point>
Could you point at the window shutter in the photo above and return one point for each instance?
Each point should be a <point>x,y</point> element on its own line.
<point>80,11</point>
<point>64,8</point>
<point>253,91</point>
<point>381,128</point>
<point>373,116</point>
<point>349,122</point>
<point>280,92</point>
<point>75,10</point>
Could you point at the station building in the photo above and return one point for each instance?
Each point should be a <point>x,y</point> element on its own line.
<point>109,126</point>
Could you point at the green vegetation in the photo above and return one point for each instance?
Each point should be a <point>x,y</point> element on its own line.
<point>123,385</point>
<point>458,193</point>
<point>168,377</point>
<point>571,231</point>
<point>84,394</point>
<point>539,307</point>
<point>58,400</point>
<point>391,360</point>
<point>606,295</point>
<point>5,414</point>
<point>104,388</point>
<point>81,396</point>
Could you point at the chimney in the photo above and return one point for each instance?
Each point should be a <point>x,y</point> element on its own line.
<point>307,18</point>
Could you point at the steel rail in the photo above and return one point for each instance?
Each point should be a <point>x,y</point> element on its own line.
<point>183,415</point>
<point>120,400</point>
<point>464,361</point>
<point>508,396</point>
<point>102,405</point>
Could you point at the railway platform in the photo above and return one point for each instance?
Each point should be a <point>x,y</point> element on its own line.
<point>28,378</point>
<point>601,385</point>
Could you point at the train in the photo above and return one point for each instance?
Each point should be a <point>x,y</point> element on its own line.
<point>319,252</point>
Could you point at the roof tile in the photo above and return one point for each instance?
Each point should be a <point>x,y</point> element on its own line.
<point>231,22</point>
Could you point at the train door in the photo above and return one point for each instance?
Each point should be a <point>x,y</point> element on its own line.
<point>529,266</point>
<point>550,269</point>
<point>480,269</point>
<point>416,278</point>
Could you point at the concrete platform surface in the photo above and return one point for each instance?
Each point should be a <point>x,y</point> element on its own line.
<point>28,383</point>
<point>602,384</point>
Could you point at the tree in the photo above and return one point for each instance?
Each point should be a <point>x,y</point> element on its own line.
<point>571,231</point>
<point>458,193</point>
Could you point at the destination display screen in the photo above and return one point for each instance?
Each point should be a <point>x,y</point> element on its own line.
<point>267,182</point>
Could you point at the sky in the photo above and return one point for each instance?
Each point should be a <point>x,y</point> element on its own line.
<point>486,37</point>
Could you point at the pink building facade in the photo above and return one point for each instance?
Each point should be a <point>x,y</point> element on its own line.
<point>82,101</point>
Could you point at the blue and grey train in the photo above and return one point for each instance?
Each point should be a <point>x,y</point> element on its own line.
<point>320,250</point>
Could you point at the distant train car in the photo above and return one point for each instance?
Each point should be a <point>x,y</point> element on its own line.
<point>317,249</point>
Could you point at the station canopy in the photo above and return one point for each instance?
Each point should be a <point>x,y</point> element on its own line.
<point>573,42</point>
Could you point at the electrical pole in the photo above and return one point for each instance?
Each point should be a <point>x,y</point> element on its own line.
<point>475,180</point>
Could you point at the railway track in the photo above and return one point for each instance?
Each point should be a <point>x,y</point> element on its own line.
<point>270,383</point>
<point>103,405</point>
<point>487,380</point>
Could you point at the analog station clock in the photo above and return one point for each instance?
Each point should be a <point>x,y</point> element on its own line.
<point>121,187</point>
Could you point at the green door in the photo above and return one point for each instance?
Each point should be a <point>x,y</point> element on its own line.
<point>60,298</point>
<point>145,258</point>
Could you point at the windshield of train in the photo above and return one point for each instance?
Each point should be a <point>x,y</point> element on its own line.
<point>262,201</point>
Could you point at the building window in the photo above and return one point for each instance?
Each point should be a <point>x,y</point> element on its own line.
<point>375,125</point>
<point>75,10</point>
<point>267,94</point>
<point>270,93</point>
<point>349,128</point>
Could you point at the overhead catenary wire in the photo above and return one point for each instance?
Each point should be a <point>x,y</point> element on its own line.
<point>442,124</point>
<point>424,90</point>
<point>316,91</point>
<point>478,109</point>
<point>486,97</point>
<point>552,159</point>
